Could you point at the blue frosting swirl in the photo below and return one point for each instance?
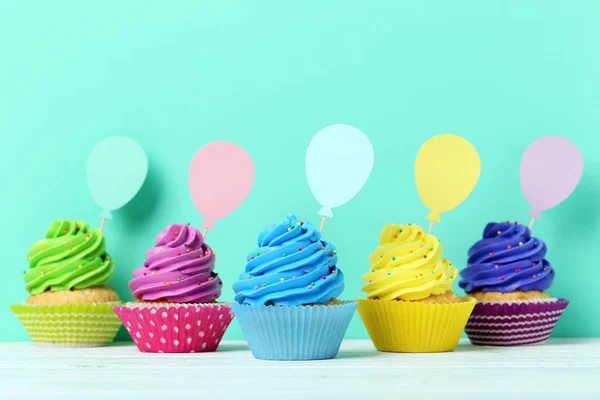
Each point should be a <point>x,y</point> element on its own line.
<point>291,266</point>
<point>507,259</point>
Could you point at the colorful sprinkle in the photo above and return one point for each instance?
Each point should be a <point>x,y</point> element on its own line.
<point>499,232</point>
<point>187,250</point>
<point>294,277</point>
<point>393,258</point>
<point>509,247</point>
<point>418,233</point>
<point>389,273</point>
<point>255,287</point>
<point>534,276</point>
<point>153,273</point>
<point>323,248</point>
<point>284,254</point>
<point>249,277</point>
<point>425,256</point>
<point>252,258</point>
<point>176,233</point>
<point>491,254</point>
<point>308,271</point>
<point>372,270</point>
<point>520,243</point>
<point>335,252</point>
<point>309,286</point>
<point>178,253</point>
<point>80,266</point>
<point>304,230</point>
<point>289,229</point>
<point>300,223</point>
<point>299,248</point>
<point>496,266</point>
<point>258,253</point>
<point>501,278</point>
<point>282,279</point>
<point>518,270</point>
<point>210,279</point>
<point>168,283</point>
<point>324,277</point>
<point>214,253</point>
<point>370,281</point>
<point>545,269</point>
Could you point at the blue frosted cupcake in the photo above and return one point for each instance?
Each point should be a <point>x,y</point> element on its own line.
<point>286,299</point>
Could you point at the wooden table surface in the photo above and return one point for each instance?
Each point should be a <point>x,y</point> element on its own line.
<point>560,369</point>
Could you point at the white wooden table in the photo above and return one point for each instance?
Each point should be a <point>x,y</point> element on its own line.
<point>560,369</point>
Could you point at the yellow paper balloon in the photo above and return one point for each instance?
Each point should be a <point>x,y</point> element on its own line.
<point>446,171</point>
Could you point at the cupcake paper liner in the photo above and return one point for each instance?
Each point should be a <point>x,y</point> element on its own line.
<point>514,323</point>
<point>294,332</point>
<point>175,328</point>
<point>413,327</point>
<point>69,325</point>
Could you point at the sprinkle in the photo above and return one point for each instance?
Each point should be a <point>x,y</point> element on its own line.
<point>400,230</point>
<point>520,243</point>
<point>372,270</point>
<point>300,223</point>
<point>324,277</point>
<point>509,247</point>
<point>258,253</point>
<point>168,283</point>
<point>71,249</point>
<point>499,232</point>
<point>210,279</point>
<point>185,243</point>
<point>187,250</point>
<point>431,249</point>
<point>508,221</point>
<point>176,233</point>
<point>308,271</point>
<point>268,283</point>
<point>534,276</point>
<point>395,236</point>
<point>284,254</point>
<point>539,275</point>
<point>496,266</point>
<point>323,248</point>
<point>389,273</point>
<point>418,233</point>
<point>545,269</point>
<point>255,287</point>
<point>332,271</point>
<point>518,270</point>
<point>264,285</point>
<point>294,277</point>
<point>289,229</point>
<point>433,272</point>
<point>425,256</point>
<point>249,277</point>
<point>313,283</point>
<point>304,231</point>
<point>178,253</point>
<point>501,278</point>
<point>409,224</point>
<point>72,271</point>
<point>153,272</point>
<point>331,255</point>
<point>293,226</point>
<point>265,252</point>
<point>282,279</point>
<point>335,252</point>
<point>29,258</point>
<point>299,248</point>
<point>79,267</point>
<point>214,253</point>
<point>370,281</point>
<point>310,287</point>
<point>444,261</point>
<point>491,254</point>
<point>252,258</point>
<point>43,272</point>
<point>393,258</point>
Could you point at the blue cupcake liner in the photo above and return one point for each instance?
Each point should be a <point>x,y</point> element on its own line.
<point>294,332</point>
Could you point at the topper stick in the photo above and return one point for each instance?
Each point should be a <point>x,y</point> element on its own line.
<point>205,233</point>
<point>102,224</point>
<point>531,224</point>
<point>430,227</point>
<point>323,224</point>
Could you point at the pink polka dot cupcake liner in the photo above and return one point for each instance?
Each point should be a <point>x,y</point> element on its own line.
<point>175,328</point>
<point>514,323</point>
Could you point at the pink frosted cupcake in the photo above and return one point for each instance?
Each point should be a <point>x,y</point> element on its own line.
<point>176,289</point>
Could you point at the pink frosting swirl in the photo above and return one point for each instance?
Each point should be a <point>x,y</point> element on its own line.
<point>179,269</point>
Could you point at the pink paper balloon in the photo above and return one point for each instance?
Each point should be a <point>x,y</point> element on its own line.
<point>551,168</point>
<point>220,177</point>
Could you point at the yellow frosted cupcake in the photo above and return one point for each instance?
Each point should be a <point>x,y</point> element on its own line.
<point>410,306</point>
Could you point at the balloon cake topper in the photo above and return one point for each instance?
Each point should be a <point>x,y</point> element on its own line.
<point>446,171</point>
<point>220,177</point>
<point>551,168</point>
<point>339,160</point>
<point>116,170</point>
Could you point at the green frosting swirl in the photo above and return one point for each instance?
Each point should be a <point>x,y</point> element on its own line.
<point>71,257</point>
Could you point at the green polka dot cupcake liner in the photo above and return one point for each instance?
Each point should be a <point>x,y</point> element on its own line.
<point>69,325</point>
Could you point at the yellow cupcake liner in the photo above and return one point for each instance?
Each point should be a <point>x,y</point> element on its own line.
<point>415,327</point>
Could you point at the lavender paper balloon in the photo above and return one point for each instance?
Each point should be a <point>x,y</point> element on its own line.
<point>551,168</point>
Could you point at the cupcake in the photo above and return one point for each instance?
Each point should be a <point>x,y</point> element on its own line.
<point>69,306</point>
<point>508,275</point>
<point>176,289</point>
<point>286,300</point>
<point>410,306</point>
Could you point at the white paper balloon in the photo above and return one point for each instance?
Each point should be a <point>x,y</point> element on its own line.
<point>339,160</point>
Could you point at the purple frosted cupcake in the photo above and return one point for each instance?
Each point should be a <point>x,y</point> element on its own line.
<point>508,274</point>
<point>177,290</point>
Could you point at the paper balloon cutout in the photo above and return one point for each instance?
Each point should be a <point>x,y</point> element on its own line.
<point>551,168</point>
<point>339,160</point>
<point>116,170</point>
<point>446,171</point>
<point>220,177</point>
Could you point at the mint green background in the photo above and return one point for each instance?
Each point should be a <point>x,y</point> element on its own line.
<point>268,75</point>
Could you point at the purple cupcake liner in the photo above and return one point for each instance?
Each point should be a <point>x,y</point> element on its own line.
<point>514,323</point>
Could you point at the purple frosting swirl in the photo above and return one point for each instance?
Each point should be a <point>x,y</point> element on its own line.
<point>179,269</point>
<point>508,258</point>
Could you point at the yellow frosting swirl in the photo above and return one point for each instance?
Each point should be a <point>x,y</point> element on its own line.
<point>408,265</point>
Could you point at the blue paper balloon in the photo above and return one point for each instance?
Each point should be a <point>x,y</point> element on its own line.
<point>339,160</point>
<point>116,170</point>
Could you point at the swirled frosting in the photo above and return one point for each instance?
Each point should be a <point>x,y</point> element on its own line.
<point>179,269</point>
<point>407,265</point>
<point>71,257</point>
<point>291,266</point>
<point>508,258</point>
